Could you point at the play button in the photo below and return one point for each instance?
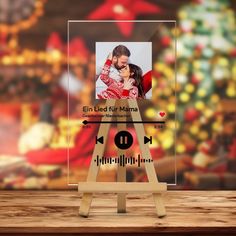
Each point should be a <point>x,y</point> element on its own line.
<point>123,140</point>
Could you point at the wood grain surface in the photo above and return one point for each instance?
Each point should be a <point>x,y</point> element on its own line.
<point>188,213</point>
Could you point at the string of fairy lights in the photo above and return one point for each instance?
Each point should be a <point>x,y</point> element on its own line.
<point>28,13</point>
<point>16,16</point>
<point>25,67</point>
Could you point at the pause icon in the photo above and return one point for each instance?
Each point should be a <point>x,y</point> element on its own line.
<point>123,140</point>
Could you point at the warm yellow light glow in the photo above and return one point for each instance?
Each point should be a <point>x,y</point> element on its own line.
<point>215,98</point>
<point>201,92</point>
<point>194,129</point>
<point>189,88</point>
<point>150,113</point>
<point>171,108</point>
<point>199,105</point>
<point>184,97</point>
<point>203,135</point>
<point>180,148</point>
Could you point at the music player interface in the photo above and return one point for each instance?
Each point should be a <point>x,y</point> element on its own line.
<point>126,104</point>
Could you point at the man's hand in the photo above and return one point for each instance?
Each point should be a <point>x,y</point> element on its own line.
<point>113,59</point>
<point>128,84</point>
<point>109,57</point>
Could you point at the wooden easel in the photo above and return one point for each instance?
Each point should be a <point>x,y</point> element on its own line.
<point>121,187</point>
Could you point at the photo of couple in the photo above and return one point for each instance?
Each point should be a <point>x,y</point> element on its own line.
<point>118,78</point>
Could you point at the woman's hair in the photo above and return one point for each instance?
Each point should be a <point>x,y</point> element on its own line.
<point>137,74</point>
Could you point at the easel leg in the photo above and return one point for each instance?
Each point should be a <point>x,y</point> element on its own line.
<point>94,168</point>
<point>152,177</point>
<point>121,172</point>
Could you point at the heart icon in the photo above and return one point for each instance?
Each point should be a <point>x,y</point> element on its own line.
<point>162,113</point>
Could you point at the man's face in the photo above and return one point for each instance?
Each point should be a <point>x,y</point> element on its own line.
<point>120,62</point>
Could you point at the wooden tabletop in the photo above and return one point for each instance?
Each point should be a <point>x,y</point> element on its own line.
<point>188,212</point>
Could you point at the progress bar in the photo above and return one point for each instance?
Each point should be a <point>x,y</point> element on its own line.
<point>85,122</point>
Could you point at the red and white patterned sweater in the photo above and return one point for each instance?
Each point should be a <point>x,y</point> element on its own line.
<point>115,89</point>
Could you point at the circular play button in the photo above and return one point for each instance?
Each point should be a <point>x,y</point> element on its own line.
<point>123,140</point>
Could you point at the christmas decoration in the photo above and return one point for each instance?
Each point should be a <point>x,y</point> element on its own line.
<point>38,71</point>
<point>78,49</point>
<point>204,157</point>
<point>54,42</point>
<point>55,54</point>
<point>123,10</point>
<point>205,73</point>
<point>19,15</point>
<point>34,138</point>
<point>191,114</point>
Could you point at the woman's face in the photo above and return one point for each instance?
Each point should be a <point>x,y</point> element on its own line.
<point>125,72</point>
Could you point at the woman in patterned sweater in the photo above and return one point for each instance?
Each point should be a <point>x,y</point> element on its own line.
<point>130,85</point>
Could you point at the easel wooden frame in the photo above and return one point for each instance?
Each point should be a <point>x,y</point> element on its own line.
<point>121,187</point>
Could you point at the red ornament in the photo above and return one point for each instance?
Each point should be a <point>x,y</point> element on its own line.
<point>54,42</point>
<point>233,52</point>
<point>78,48</point>
<point>165,41</point>
<point>195,80</point>
<point>191,114</point>
<point>199,46</point>
<point>123,10</point>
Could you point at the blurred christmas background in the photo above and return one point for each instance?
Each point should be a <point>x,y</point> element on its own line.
<point>33,89</point>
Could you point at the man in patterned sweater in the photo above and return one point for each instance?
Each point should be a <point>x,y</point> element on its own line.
<point>120,57</point>
<point>119,60</point>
